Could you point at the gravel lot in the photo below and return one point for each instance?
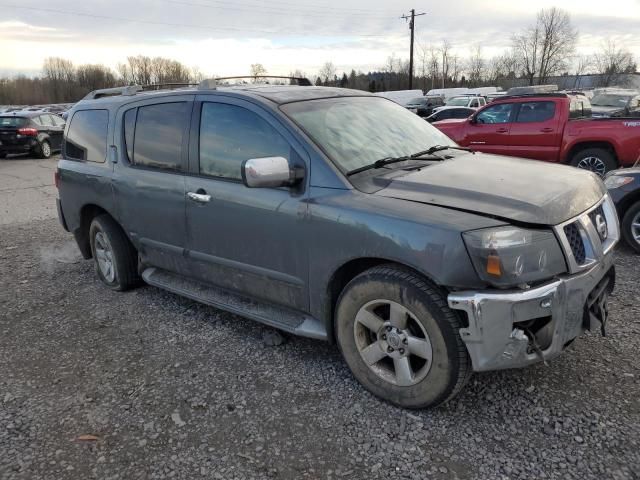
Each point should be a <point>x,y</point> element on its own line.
<point>161,387</point>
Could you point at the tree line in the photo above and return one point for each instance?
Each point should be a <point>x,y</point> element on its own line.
<point>63,82</point>
<point>545,49</point>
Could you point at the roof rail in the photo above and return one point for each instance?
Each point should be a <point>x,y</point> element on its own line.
<point>211,83</point>
<point>162,86</point>
<point>111,92</point>
<point>529,95</point>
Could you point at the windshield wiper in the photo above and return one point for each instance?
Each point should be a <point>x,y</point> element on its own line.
<point>440,148</point>
<point>389,160</point>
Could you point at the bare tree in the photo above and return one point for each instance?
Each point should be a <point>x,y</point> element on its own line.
<point>60,74</point>
<point>611,61</point>
<point>257,69</point>
<point>327,72</point>
<point>93,77</point>
<point>476,67</point>
<point>582,64</point>
<point>445,54</point>
<point>544,48</point>
<point>434,65</point>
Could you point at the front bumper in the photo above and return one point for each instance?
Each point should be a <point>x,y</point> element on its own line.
<point>498,336</point>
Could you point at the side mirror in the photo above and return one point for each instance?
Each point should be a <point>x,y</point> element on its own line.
<point>270,172</point>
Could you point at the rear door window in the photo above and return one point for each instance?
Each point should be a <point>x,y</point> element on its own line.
<point>230,134</point>
<point>45,120</point>
<point>531,112</point>
<point>87,136</point>
<point>155,135</point>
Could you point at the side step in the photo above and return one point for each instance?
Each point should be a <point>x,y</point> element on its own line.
<point>275,316</point>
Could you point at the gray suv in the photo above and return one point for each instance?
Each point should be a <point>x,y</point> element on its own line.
<point>339,215</point>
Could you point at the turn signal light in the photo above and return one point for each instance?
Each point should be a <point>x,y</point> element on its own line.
<point>493,265</point>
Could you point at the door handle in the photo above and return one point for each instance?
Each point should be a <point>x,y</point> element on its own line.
<point>502,130</point>
<point>199,197</point>
<point>547,130</point>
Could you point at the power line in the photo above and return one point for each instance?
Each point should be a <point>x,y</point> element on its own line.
<point>412,25</point>
<point>334,12</point>
<point>270,10</point>
<point>183,25</point>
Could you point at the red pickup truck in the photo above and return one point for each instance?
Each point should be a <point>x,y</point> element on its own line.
<point>549,127</point>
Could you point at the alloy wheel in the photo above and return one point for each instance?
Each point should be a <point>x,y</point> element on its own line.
<point>46,149</point>
<point>635,228</point>
<point>104,256</point>
<point>393,343</point>
<point>593,164</point>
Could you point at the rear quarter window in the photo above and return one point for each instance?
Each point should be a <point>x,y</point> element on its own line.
<point>87,136</point>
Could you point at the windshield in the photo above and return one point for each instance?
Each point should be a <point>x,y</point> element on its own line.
<point>357,131</point>
<point>12,121</point>
<point>609,100</point>
<point>457,102</point>
<point>418,101</point>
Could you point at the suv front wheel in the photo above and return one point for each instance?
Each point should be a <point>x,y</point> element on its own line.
<point>114,255</point>
<point>400,339</point>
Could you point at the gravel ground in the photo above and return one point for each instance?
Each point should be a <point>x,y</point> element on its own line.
<point>148,385</point>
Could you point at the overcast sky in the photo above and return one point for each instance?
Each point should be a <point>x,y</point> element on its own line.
<point>224,37</point>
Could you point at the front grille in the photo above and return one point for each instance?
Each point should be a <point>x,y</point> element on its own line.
<point>575,242</point>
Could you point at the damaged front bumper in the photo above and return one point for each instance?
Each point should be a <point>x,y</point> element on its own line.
<point>512,329</point>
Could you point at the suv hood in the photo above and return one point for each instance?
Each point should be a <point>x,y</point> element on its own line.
<point>524,191</point>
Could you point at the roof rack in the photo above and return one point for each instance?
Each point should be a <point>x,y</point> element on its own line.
<point>167,86</point>
<point>212,83</point>
<point>111,92</point>
<point>529,95</point>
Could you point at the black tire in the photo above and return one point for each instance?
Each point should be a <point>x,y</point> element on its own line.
<point>633,213</point>
<point>123,254</point>
<point>600,160</point>
<point>44,150</point>
<point>450,366</point>
<point>3,155</point>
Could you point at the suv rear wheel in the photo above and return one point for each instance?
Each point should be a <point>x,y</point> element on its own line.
<point>400,339</point>
<point>596,160</point>
<point>114,255</point>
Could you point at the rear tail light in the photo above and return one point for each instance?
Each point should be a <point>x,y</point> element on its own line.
<point>28,132</point>
<point>56,179</point>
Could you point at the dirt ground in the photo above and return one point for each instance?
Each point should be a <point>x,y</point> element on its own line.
<point>149,385</point>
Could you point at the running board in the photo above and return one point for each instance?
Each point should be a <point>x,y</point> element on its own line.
<point>270,314</point>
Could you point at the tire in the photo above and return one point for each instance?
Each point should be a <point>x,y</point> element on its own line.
<point>596,160</point>
<point>110,247</point>
<point>631,227</point>
<point>430,325</point>
<point>3,155</point>
<point>44,150</point>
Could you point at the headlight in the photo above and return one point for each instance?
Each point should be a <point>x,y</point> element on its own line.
<point>510,256</point>
<point>616,181</point>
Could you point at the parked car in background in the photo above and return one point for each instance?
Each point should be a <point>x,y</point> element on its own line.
<point>494,96</point>
<point>469,101</point>
<point>421,260</point>
<point>624,188</point>
<point>449,113</point>
<point>424,106</point>
<point>615,102</point>
<point>549,127</point>
<point>30,132</point>
<point>401,97</point>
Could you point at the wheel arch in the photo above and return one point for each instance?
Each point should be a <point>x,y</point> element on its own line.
<point>87,213</point>
<point>603,144</point>
<point>347,272</point>
<point>627,203</point>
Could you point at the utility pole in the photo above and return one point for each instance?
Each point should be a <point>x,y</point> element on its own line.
<point>412,23</point>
